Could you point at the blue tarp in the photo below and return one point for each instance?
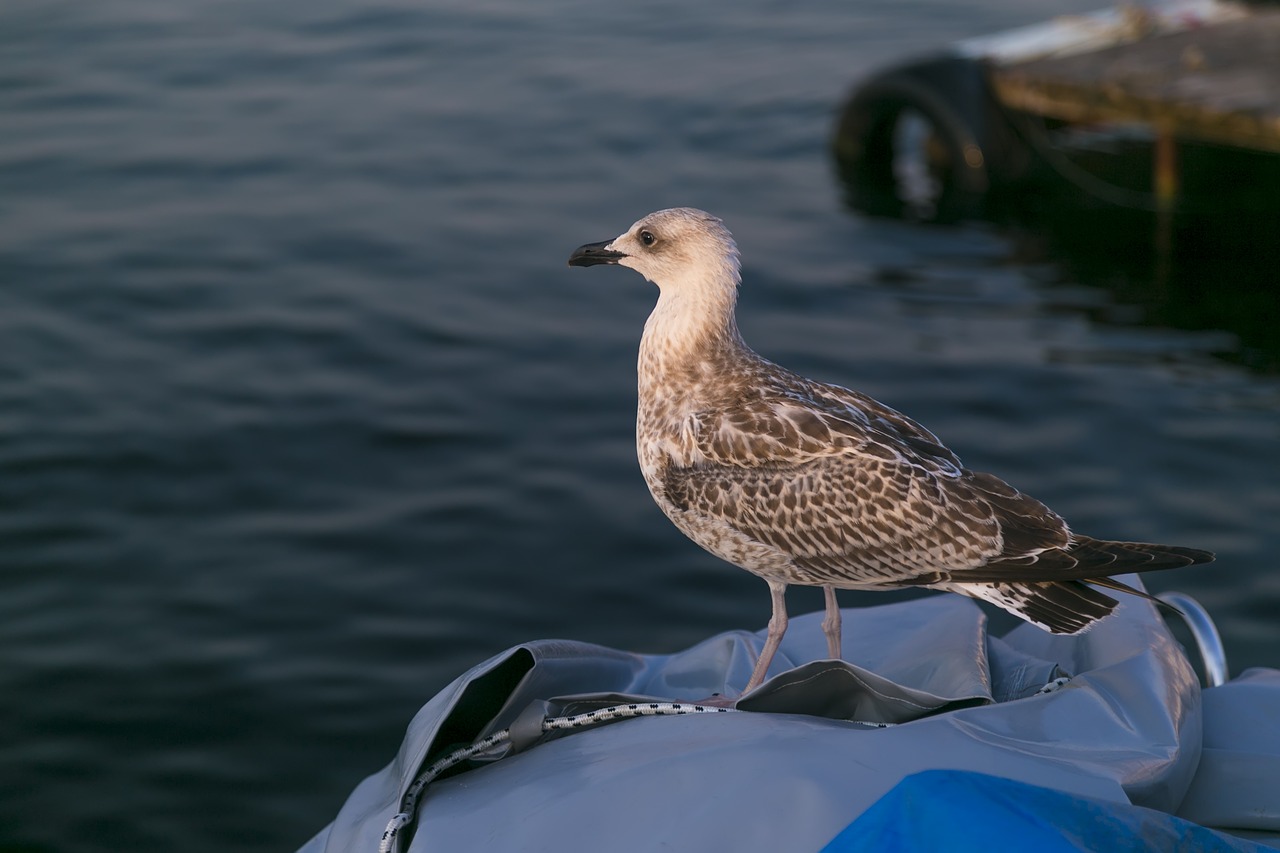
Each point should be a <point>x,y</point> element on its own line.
<point>964,812</point>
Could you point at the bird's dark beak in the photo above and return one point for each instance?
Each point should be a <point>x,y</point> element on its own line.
<point>594,253</point>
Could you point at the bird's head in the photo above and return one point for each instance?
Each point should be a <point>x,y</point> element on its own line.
<point>679,248</point>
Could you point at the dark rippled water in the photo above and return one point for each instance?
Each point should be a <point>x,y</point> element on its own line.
<point>301,413</point>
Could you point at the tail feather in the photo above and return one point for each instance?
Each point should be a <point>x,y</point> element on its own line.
<point>1050,587</point>
<point>1064,607</point>
<point>1120,586</point>
<point>1084,559</point>
<point>1134,556</point>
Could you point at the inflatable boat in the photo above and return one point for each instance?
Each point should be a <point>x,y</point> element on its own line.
<point>930,734</point>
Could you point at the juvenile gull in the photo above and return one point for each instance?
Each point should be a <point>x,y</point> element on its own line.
<point>801,482</point>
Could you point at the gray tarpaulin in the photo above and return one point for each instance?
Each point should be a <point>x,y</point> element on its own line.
<point>792,773</point>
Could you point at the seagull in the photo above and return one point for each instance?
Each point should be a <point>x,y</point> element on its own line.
<point>802,482</point>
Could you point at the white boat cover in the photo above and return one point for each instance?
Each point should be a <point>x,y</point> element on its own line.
<point>1112,717</point>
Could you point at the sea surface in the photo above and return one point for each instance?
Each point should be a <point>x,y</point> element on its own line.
<point>302,413</point>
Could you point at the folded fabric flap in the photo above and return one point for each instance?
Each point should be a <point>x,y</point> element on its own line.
<point>841,691</point>
<point>1016,674</point>
<point>479,700</point>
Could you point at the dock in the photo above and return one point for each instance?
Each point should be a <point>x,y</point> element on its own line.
<point>1192,72</point>
<point>1218,83</point>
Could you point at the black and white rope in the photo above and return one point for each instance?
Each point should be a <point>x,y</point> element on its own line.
<point>409,803</point>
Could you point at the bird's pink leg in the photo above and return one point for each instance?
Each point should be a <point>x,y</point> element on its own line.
<point>773,638</point>
<point>831,622</point>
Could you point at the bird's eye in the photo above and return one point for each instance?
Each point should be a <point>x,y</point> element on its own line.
<point>647,238</point>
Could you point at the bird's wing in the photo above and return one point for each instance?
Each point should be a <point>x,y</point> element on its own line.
<point>847,500</point>
<point>788,415</point>
<point>888,424</point>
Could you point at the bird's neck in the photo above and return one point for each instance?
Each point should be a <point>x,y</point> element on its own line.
<point>690,335</point>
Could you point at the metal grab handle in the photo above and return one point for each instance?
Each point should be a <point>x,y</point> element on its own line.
<point>1208,640</point>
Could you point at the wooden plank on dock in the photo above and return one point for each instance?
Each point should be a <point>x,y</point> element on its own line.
<point>1219,83</point>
